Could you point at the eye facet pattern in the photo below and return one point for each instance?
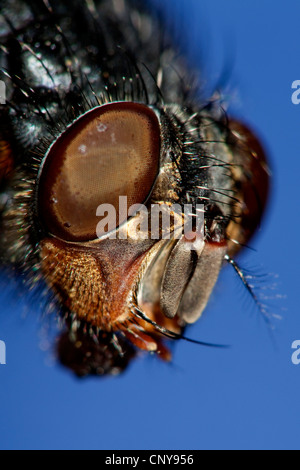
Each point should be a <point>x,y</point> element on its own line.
<point>111,151</point>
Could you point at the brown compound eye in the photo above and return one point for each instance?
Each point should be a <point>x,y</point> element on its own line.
<point>110,151</point>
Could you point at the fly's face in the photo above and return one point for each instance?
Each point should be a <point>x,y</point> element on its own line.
<point>122,198</point>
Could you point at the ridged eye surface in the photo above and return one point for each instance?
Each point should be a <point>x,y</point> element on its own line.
<point>111,151</point>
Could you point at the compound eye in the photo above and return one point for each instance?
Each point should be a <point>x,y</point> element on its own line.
<point>110,151</point>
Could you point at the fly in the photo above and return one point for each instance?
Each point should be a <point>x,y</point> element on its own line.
<point>121,192</point>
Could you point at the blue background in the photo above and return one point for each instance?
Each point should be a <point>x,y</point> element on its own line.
<point>243,397</point>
